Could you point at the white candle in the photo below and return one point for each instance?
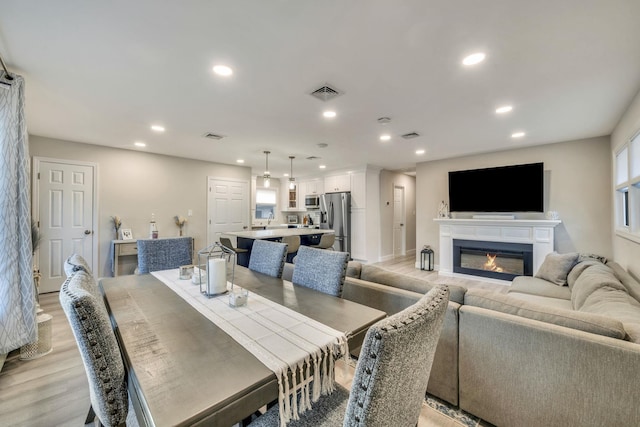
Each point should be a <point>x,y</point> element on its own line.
<point>216,276</point>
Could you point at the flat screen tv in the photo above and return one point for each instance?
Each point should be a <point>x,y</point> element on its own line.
<point>517,188</point>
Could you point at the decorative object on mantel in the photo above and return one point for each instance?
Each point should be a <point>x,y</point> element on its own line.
<point>443,210</point>
<point>180,222</point>
<point>426,258</point>
<point>214,260</point>
<point>117,223</point>
<point>553,215</point>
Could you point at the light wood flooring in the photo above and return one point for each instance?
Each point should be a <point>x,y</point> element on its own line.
<point>53,391</point>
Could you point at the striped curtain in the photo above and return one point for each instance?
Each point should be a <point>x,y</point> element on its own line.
<point>17,295</point>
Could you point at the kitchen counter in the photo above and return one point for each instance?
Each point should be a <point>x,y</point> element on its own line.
<point>276,233</point>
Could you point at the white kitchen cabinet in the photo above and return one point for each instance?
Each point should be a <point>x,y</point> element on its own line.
<point>337,183</point>
<point>315,186</point>
<point>358,234</point>
<point>289,197</point>
<point>358,190</point>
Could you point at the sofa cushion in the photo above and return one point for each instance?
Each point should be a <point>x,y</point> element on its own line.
<point>616,304</point>
<point>594,277</point>
<point>556,267</point>
<point>632,285</point>
<point>586,322</point>
<point>354,268</point>
<point>535,286</point>
<point>564,304</point>
<point>375,274</point>
<point>578,269</point>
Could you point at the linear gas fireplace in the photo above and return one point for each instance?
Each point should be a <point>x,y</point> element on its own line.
<point>497,260</point>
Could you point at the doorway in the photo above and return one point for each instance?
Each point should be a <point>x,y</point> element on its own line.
<point>64,209</point>
<point>227,207</point>
<point>399,221</point>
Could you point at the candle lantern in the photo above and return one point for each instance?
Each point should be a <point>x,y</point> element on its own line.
<point>212,276</point>
<point>426,259</point>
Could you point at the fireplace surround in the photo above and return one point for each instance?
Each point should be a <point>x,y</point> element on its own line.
<point>539,234</point>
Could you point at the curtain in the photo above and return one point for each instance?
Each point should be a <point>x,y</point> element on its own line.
<point>17,295</point>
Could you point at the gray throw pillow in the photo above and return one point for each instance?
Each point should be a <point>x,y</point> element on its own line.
<point>556,267</point>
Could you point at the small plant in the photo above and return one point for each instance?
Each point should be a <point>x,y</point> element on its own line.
<point>117,223</point>
<point>180,222</point>
<point>35,237</point>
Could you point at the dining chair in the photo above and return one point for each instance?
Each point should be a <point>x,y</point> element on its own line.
<point>321,270</point>
<point>74,263</point>
<point>391,376</point>
<point>226,242</point>
<point>268,257</point>
<point>326,241</point>
<point>99,349</point>
<point>293,243</point>
<point>164,254</point>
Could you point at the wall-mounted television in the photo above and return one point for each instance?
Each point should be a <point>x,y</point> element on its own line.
<point>517,188</point>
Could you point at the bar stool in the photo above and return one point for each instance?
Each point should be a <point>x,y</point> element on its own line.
<point>293,244</point>
<point>326,241</point>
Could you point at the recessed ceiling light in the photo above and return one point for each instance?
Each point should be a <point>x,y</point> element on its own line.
<point>504,109</point>
<point>385,137</point>
<point>139,144</point>
<point>329,114</point>
<point>322,166</point>
<point>474,58</point>
<point>240,161</point>
<point>222,70</point>
<point>419,151</point>
<point>286,174</point>
<point>157,128</point>
<point>517,135</point>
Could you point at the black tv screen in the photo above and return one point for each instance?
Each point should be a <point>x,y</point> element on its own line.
<point>517,188</point>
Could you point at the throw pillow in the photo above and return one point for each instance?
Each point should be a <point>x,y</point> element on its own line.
<point>592,257</point>
<point>556,267</point>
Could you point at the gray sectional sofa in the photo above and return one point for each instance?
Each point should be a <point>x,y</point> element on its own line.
<point>539,355</point>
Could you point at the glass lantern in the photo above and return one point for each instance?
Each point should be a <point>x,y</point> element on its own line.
<point>213,264</point>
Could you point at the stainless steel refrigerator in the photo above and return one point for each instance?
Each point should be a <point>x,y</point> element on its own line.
<point>335,214</point>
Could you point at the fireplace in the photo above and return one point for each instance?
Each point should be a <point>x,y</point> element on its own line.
<point>496,260</point>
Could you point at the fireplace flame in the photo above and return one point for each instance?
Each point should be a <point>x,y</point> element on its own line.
<point>491,264</point>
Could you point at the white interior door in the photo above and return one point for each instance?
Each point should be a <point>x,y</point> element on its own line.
<point>399,228</point>
<point>65,215</point>
<point>227,207</point>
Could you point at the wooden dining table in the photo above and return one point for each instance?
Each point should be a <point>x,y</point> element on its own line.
<point>183,370</point>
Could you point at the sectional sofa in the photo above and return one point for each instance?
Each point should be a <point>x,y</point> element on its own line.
<point>542,354</point>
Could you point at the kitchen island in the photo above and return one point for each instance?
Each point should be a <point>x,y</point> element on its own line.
<point>308,237</point>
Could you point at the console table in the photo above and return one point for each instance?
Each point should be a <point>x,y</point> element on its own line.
<point>122,248</point>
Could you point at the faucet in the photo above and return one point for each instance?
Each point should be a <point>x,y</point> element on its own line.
<point>270,218</point>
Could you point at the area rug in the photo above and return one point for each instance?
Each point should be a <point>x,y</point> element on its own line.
<point>455,413</point>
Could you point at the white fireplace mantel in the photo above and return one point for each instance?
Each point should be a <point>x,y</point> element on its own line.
<point>538,233</point>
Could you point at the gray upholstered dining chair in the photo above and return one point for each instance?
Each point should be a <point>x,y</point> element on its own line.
<point>391,376</point>
<point>268,257</point>
<point>99,349</point>
<point>74,263</point>
<point>326,241</point>
<point>164,254</point>
<point>321,270</point>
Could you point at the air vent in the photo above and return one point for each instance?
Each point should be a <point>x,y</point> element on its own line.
<point>326,93</point>
<point>313,158</point>
<point>411,135</point>
<point>212,135</point>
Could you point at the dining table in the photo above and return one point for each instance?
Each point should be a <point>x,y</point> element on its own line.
<point>184,370</point>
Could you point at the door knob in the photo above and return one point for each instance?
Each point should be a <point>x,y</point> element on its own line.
<point>87,231</point>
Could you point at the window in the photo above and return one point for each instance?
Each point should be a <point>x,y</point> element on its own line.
<point>266,203</point>
<point>627,189</point>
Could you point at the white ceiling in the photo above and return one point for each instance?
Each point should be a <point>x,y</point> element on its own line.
<point>103,72</point>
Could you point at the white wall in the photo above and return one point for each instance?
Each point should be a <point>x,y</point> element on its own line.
<point>626,252</point>
<point>577,185</point>
<point>388,180</point>
<point>135,184</point>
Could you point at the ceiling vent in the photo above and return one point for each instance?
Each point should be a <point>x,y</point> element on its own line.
<point>326,93</point>
<point>212,135</point>
<point>411,135</point>
<point>313,158</point>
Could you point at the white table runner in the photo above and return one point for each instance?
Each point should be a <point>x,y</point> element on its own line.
<point>279,337</point>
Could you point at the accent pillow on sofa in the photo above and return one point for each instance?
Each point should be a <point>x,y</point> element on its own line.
<point>578,269</point>
<point>592,278</point>
<point>556,267</point>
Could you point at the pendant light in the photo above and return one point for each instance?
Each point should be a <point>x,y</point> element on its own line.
<point>266,177</point>
<point>292,180</point>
